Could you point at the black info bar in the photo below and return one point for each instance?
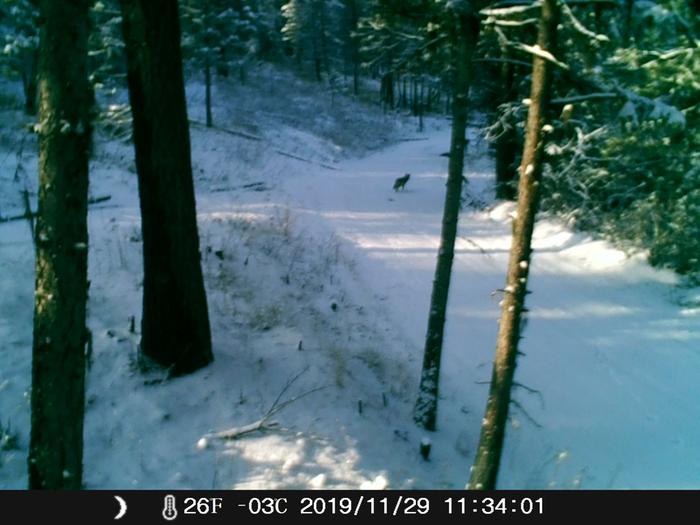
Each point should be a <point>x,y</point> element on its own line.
<point>294,506</point>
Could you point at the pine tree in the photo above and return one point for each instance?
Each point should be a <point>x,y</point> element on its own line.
<point>175,323</point>
<point>464,26</point>
<point>20,51</point>
<point>58,357</point>
<point>351,20</point>
<point>485,470</point>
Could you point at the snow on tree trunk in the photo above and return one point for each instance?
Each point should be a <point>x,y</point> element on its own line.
<point>175,322</point>
<point>488,455</point>
<point>464,33</point>
<point>58,358</point>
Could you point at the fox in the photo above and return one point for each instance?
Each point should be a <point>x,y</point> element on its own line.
<point>400,183</point>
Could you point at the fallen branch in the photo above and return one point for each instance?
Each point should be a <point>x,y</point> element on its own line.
<point>237,432</point>
<point>256,138</point>
<point>285,154</point>
<point>255,186</point>
<point>263,423</point>
<point>229,131</point>
<point>28,214</point>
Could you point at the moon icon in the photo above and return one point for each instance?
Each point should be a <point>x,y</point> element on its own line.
<point>122,507</point>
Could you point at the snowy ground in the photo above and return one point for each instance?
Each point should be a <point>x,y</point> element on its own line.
<point>315,268</point>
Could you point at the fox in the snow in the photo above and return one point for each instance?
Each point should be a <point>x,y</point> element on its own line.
<point>400,183</point>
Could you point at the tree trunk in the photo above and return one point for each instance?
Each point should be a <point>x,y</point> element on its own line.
<point>387,90</point>
<point>356,78</point>
<point>207,92</point>
<point>316,40</point>
<point>58,352</point>
<point>414,96</point>
<point>29,83</point>
<point>175,322</point>
<point>353,20</point>
<point>323,36</point>
<point>209,21</point>
<point>222,68</point>
<point>404,95</point>
<point>506,142</point>
<point>420,105</point>
<point>628,9</point>
<point>464,35</point>
<point>488,455</point>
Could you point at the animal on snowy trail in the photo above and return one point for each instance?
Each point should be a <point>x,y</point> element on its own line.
<point>400,183</point>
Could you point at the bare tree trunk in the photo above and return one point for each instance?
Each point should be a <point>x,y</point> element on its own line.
<point>323,35</point>
<point>58,352</point>
<point>207,92</point>
<point>414,95</point>
<point>420,105</point>
<point>317,39</point>
<point>627,30</point>
<point>29,83</point>
<point>488,455</point>
<point>387,90</point>
<point>404,95</point>
<point>175,323</point>
<point>464,30</point>
<point>207,64</point>
<point>354,15</point>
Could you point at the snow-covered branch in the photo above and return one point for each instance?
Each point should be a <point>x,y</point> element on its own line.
<point>580,27</point>
<point>541,53</point>
<point>582,98</point>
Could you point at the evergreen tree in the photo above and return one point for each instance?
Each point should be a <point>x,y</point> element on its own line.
<point>218,35</point>
<point>60,334</point>
<point>462,25</point>
<point>175,323</point>
<point>486,464</point>
<point>20,52</point>
<point>626,164</point>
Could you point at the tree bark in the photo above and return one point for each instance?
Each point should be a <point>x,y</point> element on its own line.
<point>58,351</point>
<point>175,322</point>
<point>464,30</point>
<point>488,455</point>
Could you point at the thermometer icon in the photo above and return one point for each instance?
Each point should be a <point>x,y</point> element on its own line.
<point>169,510</point>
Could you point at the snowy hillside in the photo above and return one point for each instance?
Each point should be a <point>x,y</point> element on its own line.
<point>318,278</point>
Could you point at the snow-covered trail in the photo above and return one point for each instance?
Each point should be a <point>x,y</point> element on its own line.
<point>614,360</point>
<point>296,252</point>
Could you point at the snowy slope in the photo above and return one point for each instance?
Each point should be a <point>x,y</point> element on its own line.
<point>613,357</point>
<point>316,269</point>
